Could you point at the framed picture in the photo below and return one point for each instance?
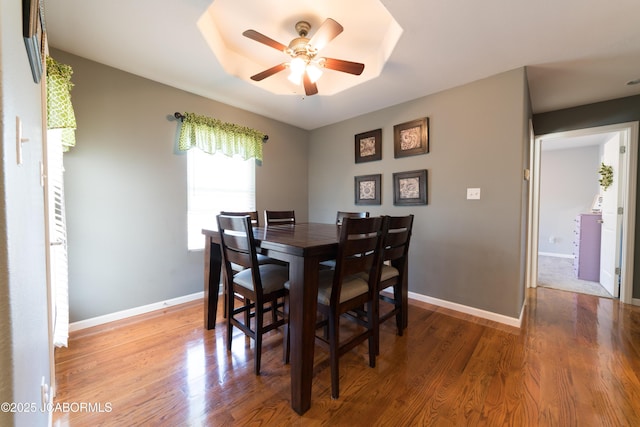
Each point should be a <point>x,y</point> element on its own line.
<point>411,138</point>
<point>368,146</point>
<point>367,189</point>
<point>32,29</point>
<point>410,188</point>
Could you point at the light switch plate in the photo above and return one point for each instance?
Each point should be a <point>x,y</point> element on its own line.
<point>473,194</point>
<point>18,141</point>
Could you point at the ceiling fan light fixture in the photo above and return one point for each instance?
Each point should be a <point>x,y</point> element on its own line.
<point>294,78</point>
<point>297,65</point>
<point>314,72</point>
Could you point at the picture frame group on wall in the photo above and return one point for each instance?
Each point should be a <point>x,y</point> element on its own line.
<point>368,146</point>
<point>411,138</point>
<point>410,188</point>
<point>367,189</point>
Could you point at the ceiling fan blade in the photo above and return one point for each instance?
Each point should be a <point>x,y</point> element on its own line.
<point>261,38</point>
<point>344,66</point>
<point>310,88</point>
<point>328,31</point>
<point>269,72</point>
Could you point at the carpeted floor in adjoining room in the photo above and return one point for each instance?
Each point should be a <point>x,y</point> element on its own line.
<point>557,273</point>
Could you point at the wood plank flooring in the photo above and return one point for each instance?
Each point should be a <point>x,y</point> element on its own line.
<point>575,362</point>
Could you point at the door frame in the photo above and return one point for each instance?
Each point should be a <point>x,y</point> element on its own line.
<point>610,221</point>
<point>47,232</point>
<point>629,133</point>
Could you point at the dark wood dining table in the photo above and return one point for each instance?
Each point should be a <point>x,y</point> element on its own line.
<point>303,246</point>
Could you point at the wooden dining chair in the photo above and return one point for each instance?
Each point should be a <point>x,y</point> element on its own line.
<point>279,217</point>
<point>331,263</point>
<point>393,273</point>
<point>255,222</point>
<point>262,259</point>
<point>261,286</point>
<point>342,290</point>
<point>342,214</point>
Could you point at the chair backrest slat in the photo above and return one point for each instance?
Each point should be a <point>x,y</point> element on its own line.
<point>238,245</point>
<point>342,215</point>
<point>397,238</point>
<point>359,251</point>
<point>255,218</point>
<point>279,217</point>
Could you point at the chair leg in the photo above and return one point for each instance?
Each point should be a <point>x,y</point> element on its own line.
<point>247,313</point>
<point>229,304</point>
<point>373,321</point>
<point>334,342</point>
<point>274,311</point>
<point>258,337</point>
<point>285,340</point>
<point>376,328</point>
<point>397,297</point>
<point>224,296</point>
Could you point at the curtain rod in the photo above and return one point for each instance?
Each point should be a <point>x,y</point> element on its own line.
<point>180,116</point>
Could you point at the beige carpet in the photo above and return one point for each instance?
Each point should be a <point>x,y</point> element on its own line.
<point>557,273</point>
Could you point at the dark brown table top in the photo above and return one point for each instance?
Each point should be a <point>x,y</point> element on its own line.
<point>302,239</point>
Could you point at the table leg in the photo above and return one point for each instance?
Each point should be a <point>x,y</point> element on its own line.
<point>303,302</point>
<point>212,266</point>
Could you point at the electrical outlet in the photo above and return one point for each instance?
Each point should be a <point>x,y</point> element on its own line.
<point>473,194</point>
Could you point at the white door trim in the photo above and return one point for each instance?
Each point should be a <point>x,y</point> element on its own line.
<point>534,210</point>
<point>630,139</point>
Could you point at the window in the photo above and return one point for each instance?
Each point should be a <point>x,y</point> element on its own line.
<point>59,267</point>
<point>216,183</point>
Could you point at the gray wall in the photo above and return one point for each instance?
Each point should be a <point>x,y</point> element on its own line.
<point>24,344</point>
<point>467,252</point>
<point>126,200</point>
<point>568,183</point>
<point>621,110</point>
<point>126,188</point>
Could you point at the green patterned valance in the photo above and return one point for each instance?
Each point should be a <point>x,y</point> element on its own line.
<point>60,113</point>
<point>212,136</point>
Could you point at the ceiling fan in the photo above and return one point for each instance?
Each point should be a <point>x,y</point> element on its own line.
<point>306,67</point>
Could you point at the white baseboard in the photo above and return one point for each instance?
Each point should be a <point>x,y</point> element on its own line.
<point>635,301</point>
<point>119,315</point>
<point>510,321</point>
<point>557,255</point>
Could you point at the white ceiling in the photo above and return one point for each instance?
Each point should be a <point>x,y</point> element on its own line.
<point>576,51</point>
<point>244,57</point>
<point>567,143</point>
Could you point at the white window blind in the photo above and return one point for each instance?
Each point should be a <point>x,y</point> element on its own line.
<point>216,183</point>
<point>58,239</point>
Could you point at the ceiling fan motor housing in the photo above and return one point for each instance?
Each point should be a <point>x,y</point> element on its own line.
<point>302,28</point>
<point>300,47</point>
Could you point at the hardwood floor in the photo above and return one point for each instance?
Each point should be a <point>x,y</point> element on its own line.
<point>575,362</point>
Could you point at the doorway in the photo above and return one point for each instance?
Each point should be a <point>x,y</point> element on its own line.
<point>616,256</point>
